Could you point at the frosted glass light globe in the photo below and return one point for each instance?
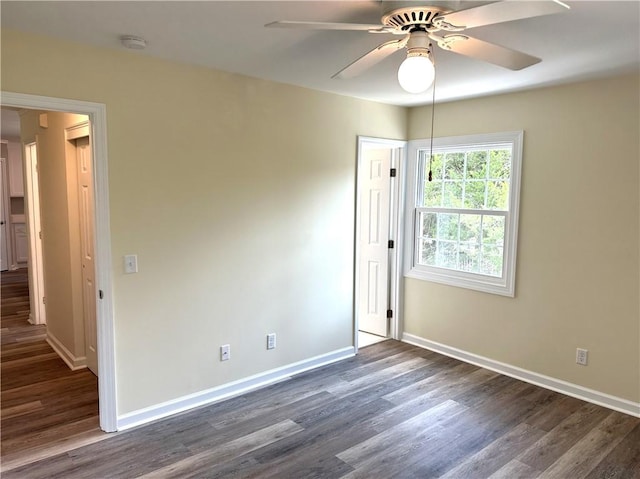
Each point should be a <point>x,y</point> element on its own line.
<point>416,74</point>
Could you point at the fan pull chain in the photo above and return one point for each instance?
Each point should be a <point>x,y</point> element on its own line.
<point>433,109</point>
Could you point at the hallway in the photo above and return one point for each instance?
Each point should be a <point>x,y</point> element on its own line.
<point>45,405</point>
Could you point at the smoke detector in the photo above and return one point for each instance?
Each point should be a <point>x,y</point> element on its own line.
<point>133,42</point>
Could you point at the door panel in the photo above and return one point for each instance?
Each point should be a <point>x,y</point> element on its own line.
<point>4,216</point>
<point>85,200</point>
<point>373,294</point>
<point>34,237</point>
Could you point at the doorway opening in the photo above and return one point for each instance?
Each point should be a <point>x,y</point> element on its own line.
<point>49,367</point>
<point>96,114</point>
<point>378,244</point>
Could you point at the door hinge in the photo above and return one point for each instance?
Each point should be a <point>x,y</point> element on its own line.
<point>389,313</point>
<point>44,300</point>
<point>391,244</point>
<point>100,294</point>
<point>392,173</point>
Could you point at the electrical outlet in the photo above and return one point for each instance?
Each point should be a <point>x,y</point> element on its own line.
<point>225,352</point>
<point>271,341</point>
<point>582,356</point>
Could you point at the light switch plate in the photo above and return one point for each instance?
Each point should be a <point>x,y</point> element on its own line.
<point>225,352</point>
<point>131,263</point>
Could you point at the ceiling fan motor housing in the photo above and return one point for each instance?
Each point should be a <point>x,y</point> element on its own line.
<point>408,19</point>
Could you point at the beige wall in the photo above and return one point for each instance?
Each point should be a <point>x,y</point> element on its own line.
<point>237,196</point>
<point>60,226</point>
<point>577,272</point>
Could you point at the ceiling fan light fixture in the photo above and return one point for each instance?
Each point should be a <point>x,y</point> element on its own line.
<point>416,73</point>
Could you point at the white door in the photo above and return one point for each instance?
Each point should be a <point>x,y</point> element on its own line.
<point>34,235</point>
<point>4,213</point>
<point>85,200</point>
<point>373,263</point>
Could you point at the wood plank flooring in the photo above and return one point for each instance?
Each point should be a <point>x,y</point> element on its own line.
<point>44,405</point>
<point>394,411</point>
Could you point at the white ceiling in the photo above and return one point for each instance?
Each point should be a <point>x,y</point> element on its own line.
<point>592,39</point>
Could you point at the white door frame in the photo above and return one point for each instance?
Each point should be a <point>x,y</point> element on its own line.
<point>97,113</point>
<point>396,221</point>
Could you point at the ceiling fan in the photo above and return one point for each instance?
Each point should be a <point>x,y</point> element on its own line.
<point>421,24</point>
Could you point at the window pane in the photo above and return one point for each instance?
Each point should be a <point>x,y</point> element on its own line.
<point>497,195</point>
<point>470,228</point>
<point>469,259</point>
<point>477,165</point>
<point>493,230</point>
<point>474,194</point>
<point>454,166</point>
<point>429,225</point>
<point>452,194</point>
<point>447,255</point>
<point>448,226</point>
<point>433,193</point>
<point>491,261</point>
<point>466,242</point>
<point>436,166</point>
<point>428,252</point>
<point>500,164</point>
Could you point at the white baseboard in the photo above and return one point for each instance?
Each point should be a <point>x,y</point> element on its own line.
<point>72,361</point>
<point>226,391</point>
<point>558,385</point>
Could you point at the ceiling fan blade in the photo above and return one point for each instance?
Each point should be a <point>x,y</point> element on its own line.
<point>369,59</point>
<point>327,26</point>
<point>498,12</point>
<point>489,52</point>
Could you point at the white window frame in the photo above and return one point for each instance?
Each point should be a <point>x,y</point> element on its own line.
<point>504,285</point>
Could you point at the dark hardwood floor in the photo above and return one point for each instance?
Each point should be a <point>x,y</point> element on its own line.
<point>394,411</point>
<point>44,405</point>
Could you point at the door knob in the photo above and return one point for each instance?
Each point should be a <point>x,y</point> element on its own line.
<point>1,222</point>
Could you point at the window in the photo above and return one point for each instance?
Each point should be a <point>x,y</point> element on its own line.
<point>462,226</point>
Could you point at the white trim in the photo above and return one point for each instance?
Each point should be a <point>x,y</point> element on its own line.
<point>226,391</point>
<point>397,234</point>
<point>396,229</point>
<point>81,130</point>
<point>67,356</point>
<point>104,315</point>
<point>504,285</point>
<point>547,382</point>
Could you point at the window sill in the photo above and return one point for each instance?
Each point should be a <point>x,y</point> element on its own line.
<point>484,284</point>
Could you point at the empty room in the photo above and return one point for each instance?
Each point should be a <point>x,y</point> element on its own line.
<point>340,239</point>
